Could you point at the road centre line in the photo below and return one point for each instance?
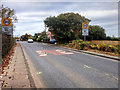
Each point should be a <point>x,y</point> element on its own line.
<point>86,66</point>
<point>106,74</point>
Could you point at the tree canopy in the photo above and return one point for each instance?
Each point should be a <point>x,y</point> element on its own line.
<point>67,26</point>
<point>96,33</point>
<point>26,37</point>
<point>8,13</point>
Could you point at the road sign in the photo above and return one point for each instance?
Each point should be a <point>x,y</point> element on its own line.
<point>85,25</point>
<point>85,29</point>
<point>6,22</point>
<point>7,30</point>
<point>85,32</point>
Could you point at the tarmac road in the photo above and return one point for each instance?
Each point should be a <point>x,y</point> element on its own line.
<point>61,68</point>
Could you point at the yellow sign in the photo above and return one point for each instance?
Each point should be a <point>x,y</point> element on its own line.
<point>85,25</point>
<point>6,22</point>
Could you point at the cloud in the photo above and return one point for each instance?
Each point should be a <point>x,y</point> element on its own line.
<point>31,15</point>
<point>28,28</point>
<point>99,13</point>
<point>60,1</point>
<point>36,14</point>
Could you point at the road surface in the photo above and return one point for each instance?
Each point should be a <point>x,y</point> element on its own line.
<point>62,68</point>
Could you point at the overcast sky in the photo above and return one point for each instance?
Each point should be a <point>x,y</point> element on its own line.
<point>32,14</point>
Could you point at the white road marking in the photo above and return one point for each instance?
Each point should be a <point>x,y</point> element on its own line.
<point>39,72</point>
<point>107,74</point>
<point>1,77</point>
<point>111,76</point>
<point>115,77</point>
<point>61,52</point>
<point>85,66</point>
<point>43,55</point>
<point>44,44</point>
<point>64,52</point>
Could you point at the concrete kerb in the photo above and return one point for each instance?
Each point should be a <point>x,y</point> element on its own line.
<point>32,84</point>
<point>88,52</point>
<point>34,80</point>
<point>97,54</point>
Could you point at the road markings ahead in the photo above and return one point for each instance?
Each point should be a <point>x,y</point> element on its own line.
<point>106,74</point>
<point>41,53</point>
<point>111,76</point>
<point>53,52</point>
<point>85,66</point>
<point>63,52</point>
<point>39,72</point>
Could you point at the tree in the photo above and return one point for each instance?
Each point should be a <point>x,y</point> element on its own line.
<point>66,27</point>
<point>6,12</point>
<point>35,37</point>
<point>113,38</point>
<point>108,38</point>
<point>96,33</point>
<point>42,36</point>
<point>26,37</point>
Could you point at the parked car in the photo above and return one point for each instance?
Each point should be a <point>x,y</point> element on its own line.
<point>30,40</point>
<point>17,39</point>
<point>52,41</point>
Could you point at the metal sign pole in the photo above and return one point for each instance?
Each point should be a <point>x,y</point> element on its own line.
<point>84,38</point>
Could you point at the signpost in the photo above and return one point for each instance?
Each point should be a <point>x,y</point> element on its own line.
<point>85,31</point>
<point>7,26</point>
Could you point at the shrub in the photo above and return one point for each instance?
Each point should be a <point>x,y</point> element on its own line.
<point>93,46</point>
<point>87,44</point>
<point>70,45</point>
<point>98,47</point>
<point>118,49</point>
<point>81,45</point>
<point>113,49</point>
<point>102,47</point>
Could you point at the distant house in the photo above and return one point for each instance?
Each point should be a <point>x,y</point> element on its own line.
<point>50,35</point>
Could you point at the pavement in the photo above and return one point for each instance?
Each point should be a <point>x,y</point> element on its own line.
<point>58,67</point>
<point>16,74</point>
